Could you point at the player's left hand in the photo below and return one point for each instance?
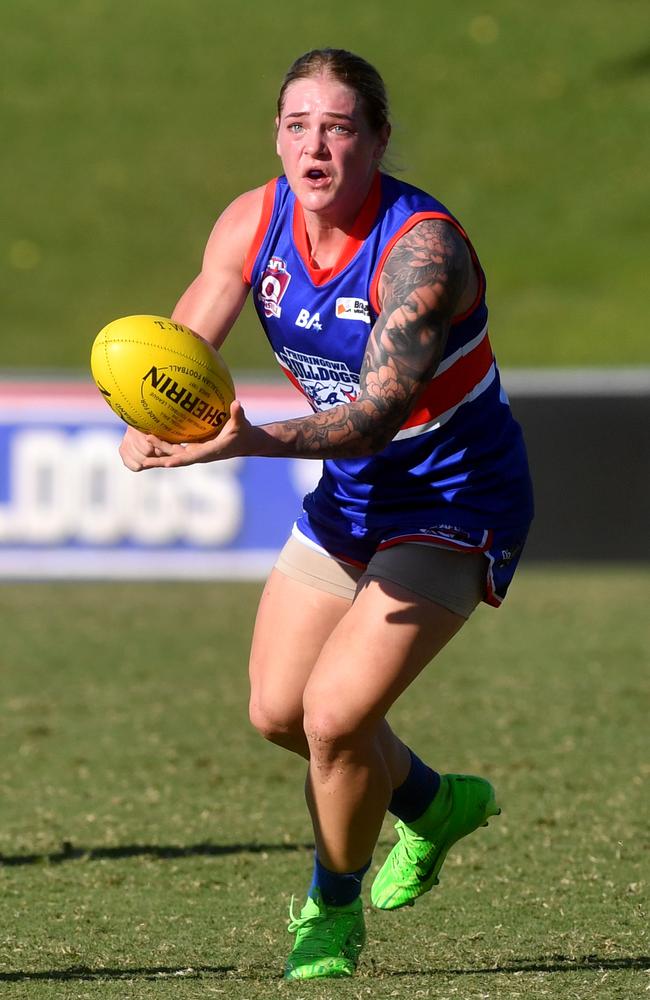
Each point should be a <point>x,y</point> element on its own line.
<point>233,440</point>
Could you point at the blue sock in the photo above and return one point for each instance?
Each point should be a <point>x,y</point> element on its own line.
<point>335,888</point>
<point>416,793</point>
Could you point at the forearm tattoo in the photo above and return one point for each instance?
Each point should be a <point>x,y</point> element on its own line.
<point>419,290</point>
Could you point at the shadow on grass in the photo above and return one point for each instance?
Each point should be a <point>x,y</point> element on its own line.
<point>83,973</point>
<point>554,963</point>
<point>68,852</point>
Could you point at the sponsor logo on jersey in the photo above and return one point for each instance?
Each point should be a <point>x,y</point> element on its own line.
<point>308,321</point>
<point>353,309</point>
<point>273,286</point>
<point>324,381</point>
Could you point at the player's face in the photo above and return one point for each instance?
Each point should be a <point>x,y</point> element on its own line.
<point>329,152</point>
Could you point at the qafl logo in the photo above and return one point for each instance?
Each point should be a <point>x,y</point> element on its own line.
<point>273,286</point>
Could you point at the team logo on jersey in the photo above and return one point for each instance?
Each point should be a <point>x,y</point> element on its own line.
<point>353,309</point>
<point>324,381</point>
<point>309,321</point>
<point>273,286</point>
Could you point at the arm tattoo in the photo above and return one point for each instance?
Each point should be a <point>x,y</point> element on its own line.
<point>420,287</point>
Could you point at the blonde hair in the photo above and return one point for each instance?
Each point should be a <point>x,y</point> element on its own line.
<point>349,69</point>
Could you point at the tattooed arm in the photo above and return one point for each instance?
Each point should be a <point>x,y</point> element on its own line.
<point>420,288</point>
<point>428,275</point>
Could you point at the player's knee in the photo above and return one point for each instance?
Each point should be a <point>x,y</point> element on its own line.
<point>330,729</point>
<point>276,726</point>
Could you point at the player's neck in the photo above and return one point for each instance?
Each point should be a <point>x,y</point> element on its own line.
<point>333,230</point>
<point>325,241</point>
<point>328,232</point>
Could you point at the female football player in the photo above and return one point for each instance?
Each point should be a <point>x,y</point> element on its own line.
<point>373,300</point>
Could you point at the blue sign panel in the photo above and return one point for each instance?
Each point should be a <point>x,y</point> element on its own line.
<point>69,508</point>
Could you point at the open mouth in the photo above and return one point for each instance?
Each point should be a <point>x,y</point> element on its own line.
<point>316,175</point>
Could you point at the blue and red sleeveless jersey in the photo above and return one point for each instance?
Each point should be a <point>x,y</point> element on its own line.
<point>456,472</point>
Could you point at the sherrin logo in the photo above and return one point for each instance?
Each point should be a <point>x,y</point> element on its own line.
<point>179,394</point>
<point>353,309</point>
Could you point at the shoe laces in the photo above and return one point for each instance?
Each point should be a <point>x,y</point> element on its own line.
<point>295,922</point>
<point>316,931</point>
<point>414,848</point>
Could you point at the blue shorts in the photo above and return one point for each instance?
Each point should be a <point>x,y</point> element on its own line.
<point>353,543</point>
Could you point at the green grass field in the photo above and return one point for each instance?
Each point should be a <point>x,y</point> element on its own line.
<point>127,127</point>
<point>151,841</point>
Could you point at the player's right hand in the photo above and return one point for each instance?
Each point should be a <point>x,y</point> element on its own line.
<point>237,438</point>
<point>135,448</point>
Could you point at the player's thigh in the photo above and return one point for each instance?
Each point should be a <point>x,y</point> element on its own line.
<point>378,648</point>
<point>293,623</point>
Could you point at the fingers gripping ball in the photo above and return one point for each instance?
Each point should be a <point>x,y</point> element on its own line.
<point>162,378</point>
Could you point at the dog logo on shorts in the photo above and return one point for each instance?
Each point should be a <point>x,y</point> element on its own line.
<point>273,285</point>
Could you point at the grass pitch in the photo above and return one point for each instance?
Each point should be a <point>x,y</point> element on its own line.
<point>151,841</point>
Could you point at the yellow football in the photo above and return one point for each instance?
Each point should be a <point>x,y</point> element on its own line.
<point>162,378</point>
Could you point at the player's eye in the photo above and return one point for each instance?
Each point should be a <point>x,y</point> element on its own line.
<point>295,127</point>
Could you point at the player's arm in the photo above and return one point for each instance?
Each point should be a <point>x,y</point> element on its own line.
<point>216,297</point>
<point>422,283</point>
<point>425,278</point>
<point>213,301</point>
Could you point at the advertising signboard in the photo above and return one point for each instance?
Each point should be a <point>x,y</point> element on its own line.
<point>68,508</point>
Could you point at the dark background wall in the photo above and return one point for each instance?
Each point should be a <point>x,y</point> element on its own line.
<point>589,449</point>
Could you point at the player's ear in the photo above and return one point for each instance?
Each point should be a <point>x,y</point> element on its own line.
<point>277,129</point>
<point>382,140</point>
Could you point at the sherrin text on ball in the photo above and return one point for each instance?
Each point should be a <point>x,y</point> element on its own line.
<point>162,378</point>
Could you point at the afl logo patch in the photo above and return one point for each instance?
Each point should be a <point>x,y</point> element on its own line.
<point>273,286</point>
<point>353,309</point>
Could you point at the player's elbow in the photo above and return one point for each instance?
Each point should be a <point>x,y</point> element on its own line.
<point>377,431</point>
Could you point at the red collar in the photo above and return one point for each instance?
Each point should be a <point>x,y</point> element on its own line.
<point>359,232</point>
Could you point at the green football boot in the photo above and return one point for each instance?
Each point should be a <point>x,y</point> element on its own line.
<point>463,803</point>
<point>328,940</point>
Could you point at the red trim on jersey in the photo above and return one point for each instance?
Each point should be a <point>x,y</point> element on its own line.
<point>262,227</point>
<point>348,561</point>
<point>405,228</point>
<point>338,557</point>
<point>294,381</point>
<point>439,541</point>
<point>450,387</point>
<point>491,596</point>
<point>359,232</point>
